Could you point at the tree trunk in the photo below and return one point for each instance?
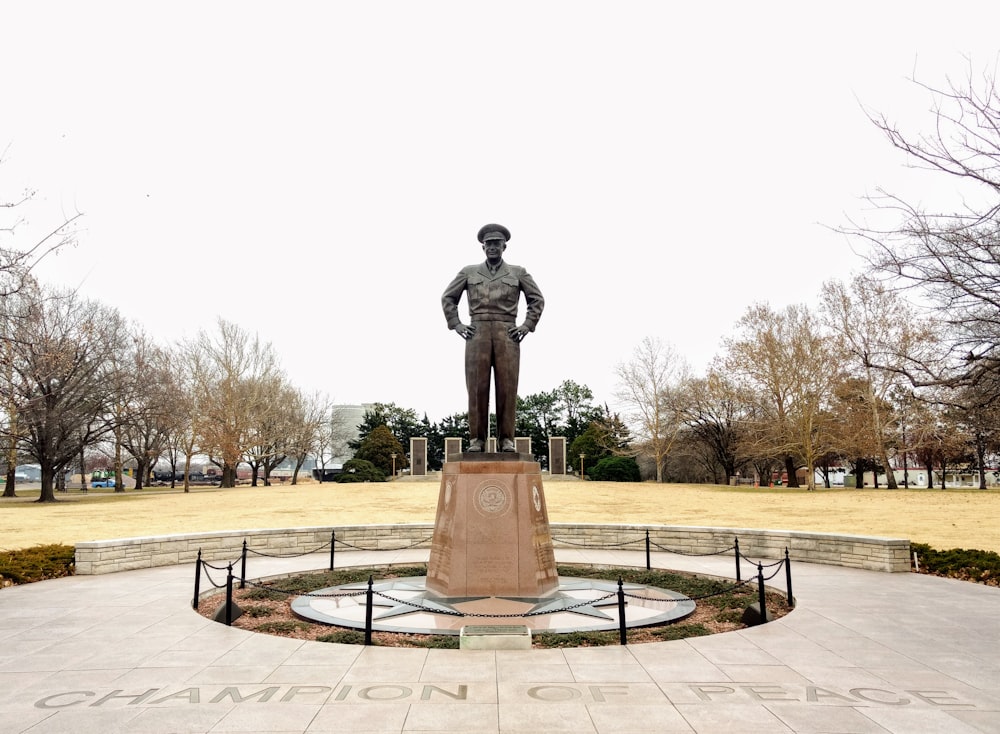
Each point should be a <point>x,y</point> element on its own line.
<point>890,475</point>
<point>228,475</point>
<point>790,467</point>
<point>47,494</point>
<point>83,469</point>
<point>10,488</point>
<point>119,481</point>
<point>981,459</point>
<point>141,470</point>
<point>930,475</point>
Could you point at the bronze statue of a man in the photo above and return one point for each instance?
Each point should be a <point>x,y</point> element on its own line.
<point>493,338</point>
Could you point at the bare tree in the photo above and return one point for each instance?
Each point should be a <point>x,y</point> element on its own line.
<point>310,412</point>
<point>17,260</point>
<point>124,390</point>
<point>878,334</point>
<point>153,415</point>
<point>232,374</point>
<point>272,429</point>
<point>715,414</point>
<point>979,420</point>
<point>647,387</point>
<point>778,359</point>
<point>949,254</point>
<point>60,378</point>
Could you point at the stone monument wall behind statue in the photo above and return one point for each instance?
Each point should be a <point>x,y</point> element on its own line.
<point>557,455</point>
<point>452,446</point>
<point>418,457</point>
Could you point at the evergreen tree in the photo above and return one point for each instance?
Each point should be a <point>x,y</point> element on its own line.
<point>378,447</point>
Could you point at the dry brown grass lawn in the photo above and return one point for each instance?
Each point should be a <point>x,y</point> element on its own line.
<point>943,519</point>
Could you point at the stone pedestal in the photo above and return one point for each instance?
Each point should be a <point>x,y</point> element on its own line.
<point>491,535</point>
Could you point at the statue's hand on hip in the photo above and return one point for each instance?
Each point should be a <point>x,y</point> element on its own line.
<point>466,331</point>
<point>517,333</point>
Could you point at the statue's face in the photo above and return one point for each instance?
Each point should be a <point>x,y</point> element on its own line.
<point>494,249</point>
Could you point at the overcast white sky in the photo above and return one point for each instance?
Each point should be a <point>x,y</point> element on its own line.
<point>317,172</point>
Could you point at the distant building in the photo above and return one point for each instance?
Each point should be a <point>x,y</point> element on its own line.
<point>352,417</point>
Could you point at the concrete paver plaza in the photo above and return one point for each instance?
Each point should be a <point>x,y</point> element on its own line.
<point>863,652</point>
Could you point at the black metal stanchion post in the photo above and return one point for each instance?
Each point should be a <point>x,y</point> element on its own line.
<point>369,602</point>
<point>788,578</point>
<point>243,566</point>
<point>760,594</point>
<point>648,566</point>
<point>622,637</point>
<point>197,580</point>
<point>229,595</point>
<point>333,543</point>
<point>736,544</point>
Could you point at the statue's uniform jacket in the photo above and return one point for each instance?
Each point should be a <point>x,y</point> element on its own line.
<point>493,300</point>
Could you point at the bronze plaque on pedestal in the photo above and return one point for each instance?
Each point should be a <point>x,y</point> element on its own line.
<point>491,535</point>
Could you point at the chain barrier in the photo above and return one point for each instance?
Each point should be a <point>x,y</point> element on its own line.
<point>369,593</point>
<point>709,595</point>
<point>302,592</point>
<point>777,570</point>
<point>402,547</point>
<point>691,555</point>
<point>640,540</point>
<point>206,564</point>
<point>608,545</point>
<point>291,555</point>
<point>765,565</point>
<point>209,576</point>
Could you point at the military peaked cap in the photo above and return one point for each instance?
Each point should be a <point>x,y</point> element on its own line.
<point>494,229</point>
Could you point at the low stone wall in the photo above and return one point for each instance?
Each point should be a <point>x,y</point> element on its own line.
<point>855,551</point>
<point>891,555</point>
<point>126,554</point>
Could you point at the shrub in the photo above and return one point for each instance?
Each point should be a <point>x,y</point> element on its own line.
<point>359,470</point>
<point>260,593</point>
<point>258,610</point>
<point>344,637</point>
<point>575,639</point>
<point>681,631</point>
<point>281,627</point>
<point>616,469</point>
<point>442,642</point>
<point>37,563</point>
<point>961,563</point>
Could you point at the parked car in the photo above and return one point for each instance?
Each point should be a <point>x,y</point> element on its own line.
<point>102,482</point>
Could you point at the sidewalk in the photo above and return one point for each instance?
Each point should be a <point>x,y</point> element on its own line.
<point>862,652</point>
